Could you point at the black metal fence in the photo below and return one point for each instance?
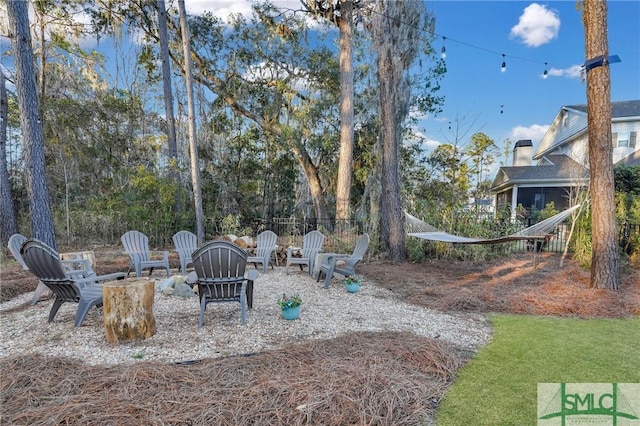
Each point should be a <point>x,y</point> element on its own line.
<point>340,235</point>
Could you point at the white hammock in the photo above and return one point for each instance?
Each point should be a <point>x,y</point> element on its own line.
<point>539,231</point>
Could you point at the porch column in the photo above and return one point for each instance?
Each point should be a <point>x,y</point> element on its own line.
<point>514,202</point>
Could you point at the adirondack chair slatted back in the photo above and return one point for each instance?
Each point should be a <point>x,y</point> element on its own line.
<point>185,243</point>
<point>136,244</point>
<point>358,253</point>
<point>15,244</point>
<point>312,244</point>
<point>220,262</point>
<point>220,267</point>
<point>45,264</point>
<point>266,244</point>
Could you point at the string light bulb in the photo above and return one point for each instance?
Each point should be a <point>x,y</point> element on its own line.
<point>545,74</point>
<point>443,51</point>
<point>503,67</point>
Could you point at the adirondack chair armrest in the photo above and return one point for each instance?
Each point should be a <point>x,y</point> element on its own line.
<point>79,275</point>
<point>334,258</point>
<point>82,282</point>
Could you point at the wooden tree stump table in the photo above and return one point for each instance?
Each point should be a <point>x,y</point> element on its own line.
<point>128,309</point>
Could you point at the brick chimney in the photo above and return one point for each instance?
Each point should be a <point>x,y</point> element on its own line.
<point>522,152</point>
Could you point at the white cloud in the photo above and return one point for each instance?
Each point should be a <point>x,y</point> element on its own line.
<point>535,132</point>
<point>427,142</point>
<point>220,8</point>
<point>431,144</point>
<point>89,41</point>
<point>572,72</point>
<point>223,8</point>
<point>537,25</point>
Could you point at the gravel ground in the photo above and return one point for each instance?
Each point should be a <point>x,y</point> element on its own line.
<point>326,313</point>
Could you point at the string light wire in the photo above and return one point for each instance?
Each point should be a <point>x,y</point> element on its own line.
<point>464,43</point>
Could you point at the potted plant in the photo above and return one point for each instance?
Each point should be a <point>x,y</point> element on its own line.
<point>352,283</point>
<point>290,306</point>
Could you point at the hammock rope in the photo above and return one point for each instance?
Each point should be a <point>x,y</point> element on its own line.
<point>540,230</point>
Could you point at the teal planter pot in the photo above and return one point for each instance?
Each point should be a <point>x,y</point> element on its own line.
<point>291,313</point>
<point>352,288</point>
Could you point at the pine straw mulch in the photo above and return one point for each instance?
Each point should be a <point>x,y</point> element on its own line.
<point>525,283</point>
<point>361,378</point>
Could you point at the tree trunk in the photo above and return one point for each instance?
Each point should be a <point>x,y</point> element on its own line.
<point>193,144</point>
<point>315,186</point>
<point>391,218</point>
<point>41,217</point>
<point>395,39</point>
<point>8,225</point>
<point>168,99</point>
<point>343,189</point>
<point>40,23</point>
<point>128,310</point>
<point>604,256</point>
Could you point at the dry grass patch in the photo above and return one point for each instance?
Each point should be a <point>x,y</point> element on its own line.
<point>524,283</point>
<point>361,378</point>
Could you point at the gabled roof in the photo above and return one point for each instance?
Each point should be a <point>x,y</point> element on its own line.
<point>623,109</point>
<point>632,159</point>
<point>571,120</point>
<point>552,169</point>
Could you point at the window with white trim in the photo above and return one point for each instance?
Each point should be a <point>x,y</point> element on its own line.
<point>622,139</point>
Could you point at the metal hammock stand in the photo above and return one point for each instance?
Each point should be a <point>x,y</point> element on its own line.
<point>539,231</point>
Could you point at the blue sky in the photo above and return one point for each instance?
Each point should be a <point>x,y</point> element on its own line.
<point>529,34</point>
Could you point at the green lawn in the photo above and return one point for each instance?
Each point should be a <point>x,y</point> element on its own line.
<point>499,386</point>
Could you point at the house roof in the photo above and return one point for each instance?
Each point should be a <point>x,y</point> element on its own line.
<point>558,168</point>
<point>571,120</point>
<point>623,109</point>
<point>632,159</point>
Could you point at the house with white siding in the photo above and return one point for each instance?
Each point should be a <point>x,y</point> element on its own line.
<point>560,163</point>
